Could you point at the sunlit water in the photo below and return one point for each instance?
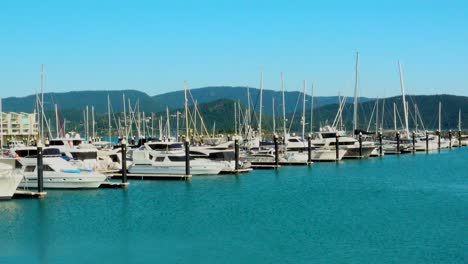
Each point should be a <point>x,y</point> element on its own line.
<point>406,209</point>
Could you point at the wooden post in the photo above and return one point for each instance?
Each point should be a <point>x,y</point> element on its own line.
<point>381,144</point>
<point>276,151</point>
<point>414,142</point>
<point>309,149</point>
<point>124,160</point>
<point>450,138</point>
<point>360,145</point>
<point>459,139</point>
<point>398,142</point>
<point>438,138</point>
<point>40,168</point>
<point>187,158</point>
<point>337,147</point>
<point>427,142</point>
<point>236,153</point>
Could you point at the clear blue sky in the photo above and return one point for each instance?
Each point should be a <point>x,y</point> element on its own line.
<point>153,46</point>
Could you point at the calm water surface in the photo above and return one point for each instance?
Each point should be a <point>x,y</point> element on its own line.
<point>407,209</point>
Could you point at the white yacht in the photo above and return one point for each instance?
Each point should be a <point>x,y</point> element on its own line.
<point>168,158</point>
<point>10,178</point>
<point>59,174</point>
<point>326,139</point>
<point>295,144</point>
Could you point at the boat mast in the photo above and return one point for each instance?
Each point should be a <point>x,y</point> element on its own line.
<point>92,118</point>
<point>260,116</point>
<point>168,122</point>
<point>377,115</point>
<point>125,116</point>
<point>303,110</point>
<point>177,125</point>
<point>42,102</point>
<point>356,95</point>
<point>312,109</point>
<point>405,109</point>
<point>248,107</point>
<point>394,117</point>
<point>440,116</point>
<point>56,121</point>
<point>273,109</point>
<point>235,118</point>
<point>284,108</point>
<point>186,112</point>
<point>109,118</point>
<point>459,119</point>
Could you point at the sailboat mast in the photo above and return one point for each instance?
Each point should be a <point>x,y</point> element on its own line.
<point>405,109</point>
<point>303,110</point>
<point>56,121</point>
<point>186,112</point>
<point>168,123</point>
<point>355,94</point>
<point>261,106</point>
<point>248,106</point>
<point>274,119</point>
<point>440,116</point>
<point>312,109</point>
<point>92,118</point>
<point>459,119</point>
<point>377,115</point>
<point>125,116</point>
<point>284,108</point>
<point>394,117</point>
<point>235,118</point>
<point>109,124</point>
<point>42,102</point>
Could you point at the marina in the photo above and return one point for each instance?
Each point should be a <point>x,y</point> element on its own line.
<point>234,132</point>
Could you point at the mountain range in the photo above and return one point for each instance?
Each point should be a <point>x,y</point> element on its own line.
<point>216,105</point>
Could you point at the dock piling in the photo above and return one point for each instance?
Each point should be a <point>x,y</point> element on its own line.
<point>187,158</point>
<point>276,151</point>
<point>360,145</point>
<point>459,139</point>
<point>398,142</point>
<point>40,168</point>
<point>414,142</point>
<point>438,138</point>
<point>236,153</point>
<point>309,149</point>
<point>123,144</point>
<point>450,138</point>
<point>337,147</point>
<point>427,142</point>
<point>380,142</point>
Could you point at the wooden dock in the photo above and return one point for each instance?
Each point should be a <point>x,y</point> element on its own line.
<point>236,171</point>
<point>265,166</point>
<point>114,185</point>
<point>28,194</point>
<point>143,176</point>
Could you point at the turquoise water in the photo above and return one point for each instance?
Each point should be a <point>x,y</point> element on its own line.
<point>406,209</point>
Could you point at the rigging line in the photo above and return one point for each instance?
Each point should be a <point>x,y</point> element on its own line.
<point>294,113</point>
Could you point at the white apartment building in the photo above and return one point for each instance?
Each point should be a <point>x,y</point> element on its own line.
<point>18,126</point>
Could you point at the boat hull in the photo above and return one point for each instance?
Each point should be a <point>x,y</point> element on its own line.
<point>9,181</point>
<point>64,181</point>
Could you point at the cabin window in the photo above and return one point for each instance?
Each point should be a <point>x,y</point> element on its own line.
<point>177,158</point>
<point>159,159</point>
<point>56,143</point>
<point>150,156</point>
<point>47,168</point>
<point>29,168</point>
